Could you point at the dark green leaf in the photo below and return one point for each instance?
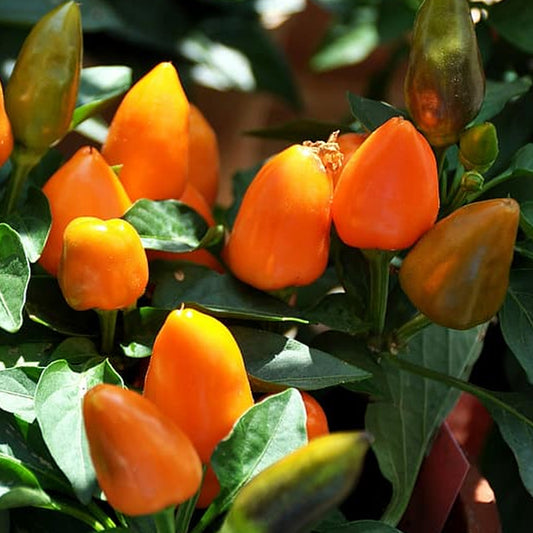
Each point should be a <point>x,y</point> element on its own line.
<point>404,423</point>
<point>167,225</point>
<point>298,131</point>
<point>371,113</point>
<point>18,486</point>
<point>274,358</point>
<point>99,86</point>
<point>14,278</point>
<point>46,306</point>
<point>141,327</point>
<point>497,95</point>
<point>264,434</point>
<point>516,318</point>
<point>513,19</point>
<point>32,223</point>
<point>58,403</point>
<point>240,182</point>
<point>220,294</point>
<point>360,526</point>
<point>17,390</point>
<point>526,218</point>
<point>75,350</point>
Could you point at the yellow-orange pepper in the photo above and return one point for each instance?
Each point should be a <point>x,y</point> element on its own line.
<point>149,137</point>
<point>143,461</point>
<point>83,186</point>
<point>103,265</point>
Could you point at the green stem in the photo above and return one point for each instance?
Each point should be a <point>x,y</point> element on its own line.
<point>78,513</point>
<point>108,323</point>
<point>489,185</point>
<point>164,520</point>
<point>411,328</point>
<point>23,160</point>
<point>186,509</point>
<point>379,266</point>
<point>484,395</point>
<point>102,517</point>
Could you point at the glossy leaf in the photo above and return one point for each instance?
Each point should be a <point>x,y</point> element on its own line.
<point>18,486</point>
<point>513,20</point>
<point>167,225</point>
<point>17,389</point>
<point>58,400</point>
<point>99,86</point>
<point>220,294</point>
<point>14,278</point>
<point>371,113</point>
<point>264,434</point>
<point>276,359</point>
<point>32,223</point>
<point>516,318</point>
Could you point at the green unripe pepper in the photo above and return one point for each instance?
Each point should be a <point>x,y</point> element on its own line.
<point>457,274</point>
<point>445,83</point>
<point>42,90</point>
<point>478,147</point>
<point>41,93</point>
<point>297,491</point>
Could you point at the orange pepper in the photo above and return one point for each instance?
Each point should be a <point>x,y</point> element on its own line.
<point>204,159</point>
<point>193,198</point>
<point>317,421</point>
<point>387,195</point>
<point>6,135</point>
<point>281,234</point>
<point>84,186</point>
<point>148,135</point>
<point>348,144</point>
<point>197,377</point>
<point>103,265</point>
<point>143,461</point>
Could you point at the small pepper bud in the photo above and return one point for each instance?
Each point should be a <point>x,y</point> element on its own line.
<point>471,181</point>
<point>478,147</point>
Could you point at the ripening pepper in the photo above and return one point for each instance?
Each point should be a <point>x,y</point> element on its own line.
<point>42,90</point>
<point>103,265</point>
<point>204,158</point>
<point>143,461</point>
<point>445,82</point>
<point>193,198</point>
<point>293,494</point>
<point>197,377</point>
<point>387,195</point>
<point>148,136</point>
<point>458,272</point>
<point>281,234</point>
<point>6,135</point>
<point>83,186</point>
<point>478,147</point>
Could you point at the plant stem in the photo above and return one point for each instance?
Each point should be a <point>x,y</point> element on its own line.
<point>186,509</point>
<point>108,322</point>
<point>164,520</point>
<point>379,266</point>
<point>23,160</point>
<point>410,328</point>
<point>79,513</point>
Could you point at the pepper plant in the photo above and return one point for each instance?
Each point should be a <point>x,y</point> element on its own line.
<point>133,369</point>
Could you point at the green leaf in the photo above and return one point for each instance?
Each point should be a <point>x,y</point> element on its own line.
<point>264,434</point>
<point>371,113</point>
<point>516,318</point>
<point>46,306</point>
<point>18,485</point>
<point>141,327</point>
<point>526,218</point>
<point>167,225</point>
<point>274,358</point>
<point>498,94</point>
<point>349,41</point>
<point>513,19</point>
<point>359,526</point>
<point>75,350</point>
<point>297,131</point>
<point>219,294</point>
<point>17,389</point>
<point>32,223</point>
<point>404,422</point>
<point>14,278</point>
<point>58,404</point>
<point>513,412</point>
<point>99,86</point>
